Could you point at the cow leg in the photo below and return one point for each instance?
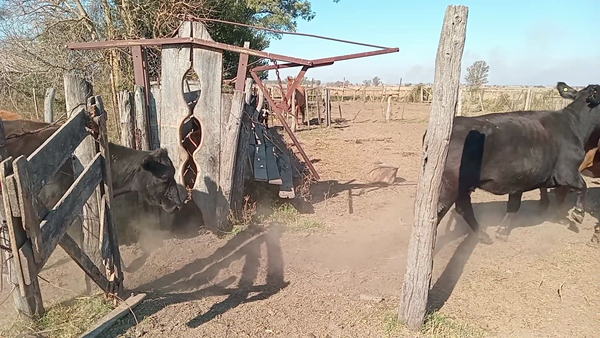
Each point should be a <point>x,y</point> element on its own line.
<point>513,205</point>
<point>578,212</point>
<point>560,193</point>
<point>544,200</point>
<point>465,209</point>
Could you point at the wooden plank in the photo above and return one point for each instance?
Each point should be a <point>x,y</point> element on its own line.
<point>176,61</point>
<point>107,215</point>
<point>5,166</point>
<point>286,190</point>
<point>26,295</point>
<point>230,136</point>
<point>127,120</point>
<point>78,91</point>
<point>419,261</point>
<point>30,205</point>
<point>116,314</point>
<point>153,116</point>
<point>83,261</point>
<point>69,206</point>
<point>242,163</point>
<point>46,160</point>
<point>49,105</point>
<point>208,65</point>
<point>142,136</point>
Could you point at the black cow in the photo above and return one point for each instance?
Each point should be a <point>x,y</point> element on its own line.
<point>510,153</point>
<point>149,173</point>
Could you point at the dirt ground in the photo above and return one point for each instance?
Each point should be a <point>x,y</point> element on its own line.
<point>328,273</point>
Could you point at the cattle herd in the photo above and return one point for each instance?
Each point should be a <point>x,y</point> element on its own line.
<point>511,153</point>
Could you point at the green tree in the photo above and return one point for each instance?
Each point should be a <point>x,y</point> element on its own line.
<point>33,34</point>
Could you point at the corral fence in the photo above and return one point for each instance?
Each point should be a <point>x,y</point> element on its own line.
<point>487,99</point>
<point>31,232</point>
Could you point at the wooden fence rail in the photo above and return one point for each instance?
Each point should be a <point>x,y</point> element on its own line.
<point>35,231</point>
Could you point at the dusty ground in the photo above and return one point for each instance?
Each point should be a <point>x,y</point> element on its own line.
<point>306,279</point>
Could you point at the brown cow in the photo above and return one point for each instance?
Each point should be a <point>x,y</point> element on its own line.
<point>300,96</point>
<point>8,115</point>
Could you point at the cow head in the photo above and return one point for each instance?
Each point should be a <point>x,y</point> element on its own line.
<point>156,181</point>
<point>591,93</point>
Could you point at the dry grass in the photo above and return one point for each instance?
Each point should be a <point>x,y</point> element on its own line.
<point>437,325</point>
<point>64,320</point>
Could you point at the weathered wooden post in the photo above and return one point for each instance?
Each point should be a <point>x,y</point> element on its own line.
<point>293,113</point>
<point>528,100</point>
<point>127,119</point>
<point>26,292</point>
<point>142,129</point>
<point>388,112</point>
<point>77,93</point>
<point>417,278</point>
<point>49,105</point>
<point>327,108</point>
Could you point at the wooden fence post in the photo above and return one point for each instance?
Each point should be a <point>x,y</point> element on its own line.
<point>294,125</point>
<point>327,108</point>
<point>528,100</point>
<point>142,134</point>
<point>27,296</point>
<point>49,105</point>
<point>77,93</point>
<point>419,264</point>
<point>127,119</point>
<point>388,113</point>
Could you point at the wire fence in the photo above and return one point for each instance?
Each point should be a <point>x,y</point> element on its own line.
<point>473,102</point>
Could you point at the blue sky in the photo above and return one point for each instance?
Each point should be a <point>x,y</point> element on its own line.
<point>530,42</point>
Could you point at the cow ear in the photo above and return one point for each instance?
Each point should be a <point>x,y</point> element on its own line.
<point>157,169</point>
<point>160,152</point>
<point>148,163</point>
<point>566,91</point>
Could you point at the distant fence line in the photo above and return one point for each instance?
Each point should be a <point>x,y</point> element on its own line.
<point>473,102</point>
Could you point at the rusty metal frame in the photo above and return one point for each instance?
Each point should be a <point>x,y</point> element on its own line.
<point>141,74</point>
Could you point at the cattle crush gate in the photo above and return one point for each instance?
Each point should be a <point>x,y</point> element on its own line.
<point>30,231</point>
<point>208,161</point>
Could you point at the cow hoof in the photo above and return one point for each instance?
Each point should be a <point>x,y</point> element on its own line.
<point>484,238</point>
<point>502,236</point>
<point>578,215</point>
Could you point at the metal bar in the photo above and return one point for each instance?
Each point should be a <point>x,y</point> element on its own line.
<point>329,60</point>
<point>277,110</point>
<point>183,41</point>
<point>295,84</point>
<point>240,79</point>
<point>295,33</point>
<point>286,65</point>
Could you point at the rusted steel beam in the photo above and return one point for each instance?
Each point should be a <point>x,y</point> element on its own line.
<point>286,65</point>
<point>182,41</point>
<point>242,69</point>
<point>278,110</point>
<point>295,84</point>
<point>328,61</point>
<point>140,72</point>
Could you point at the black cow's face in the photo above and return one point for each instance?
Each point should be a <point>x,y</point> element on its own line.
<point>591,93</point>
<point>157,181</point>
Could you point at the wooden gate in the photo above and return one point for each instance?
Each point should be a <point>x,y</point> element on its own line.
<point>34,231</point>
